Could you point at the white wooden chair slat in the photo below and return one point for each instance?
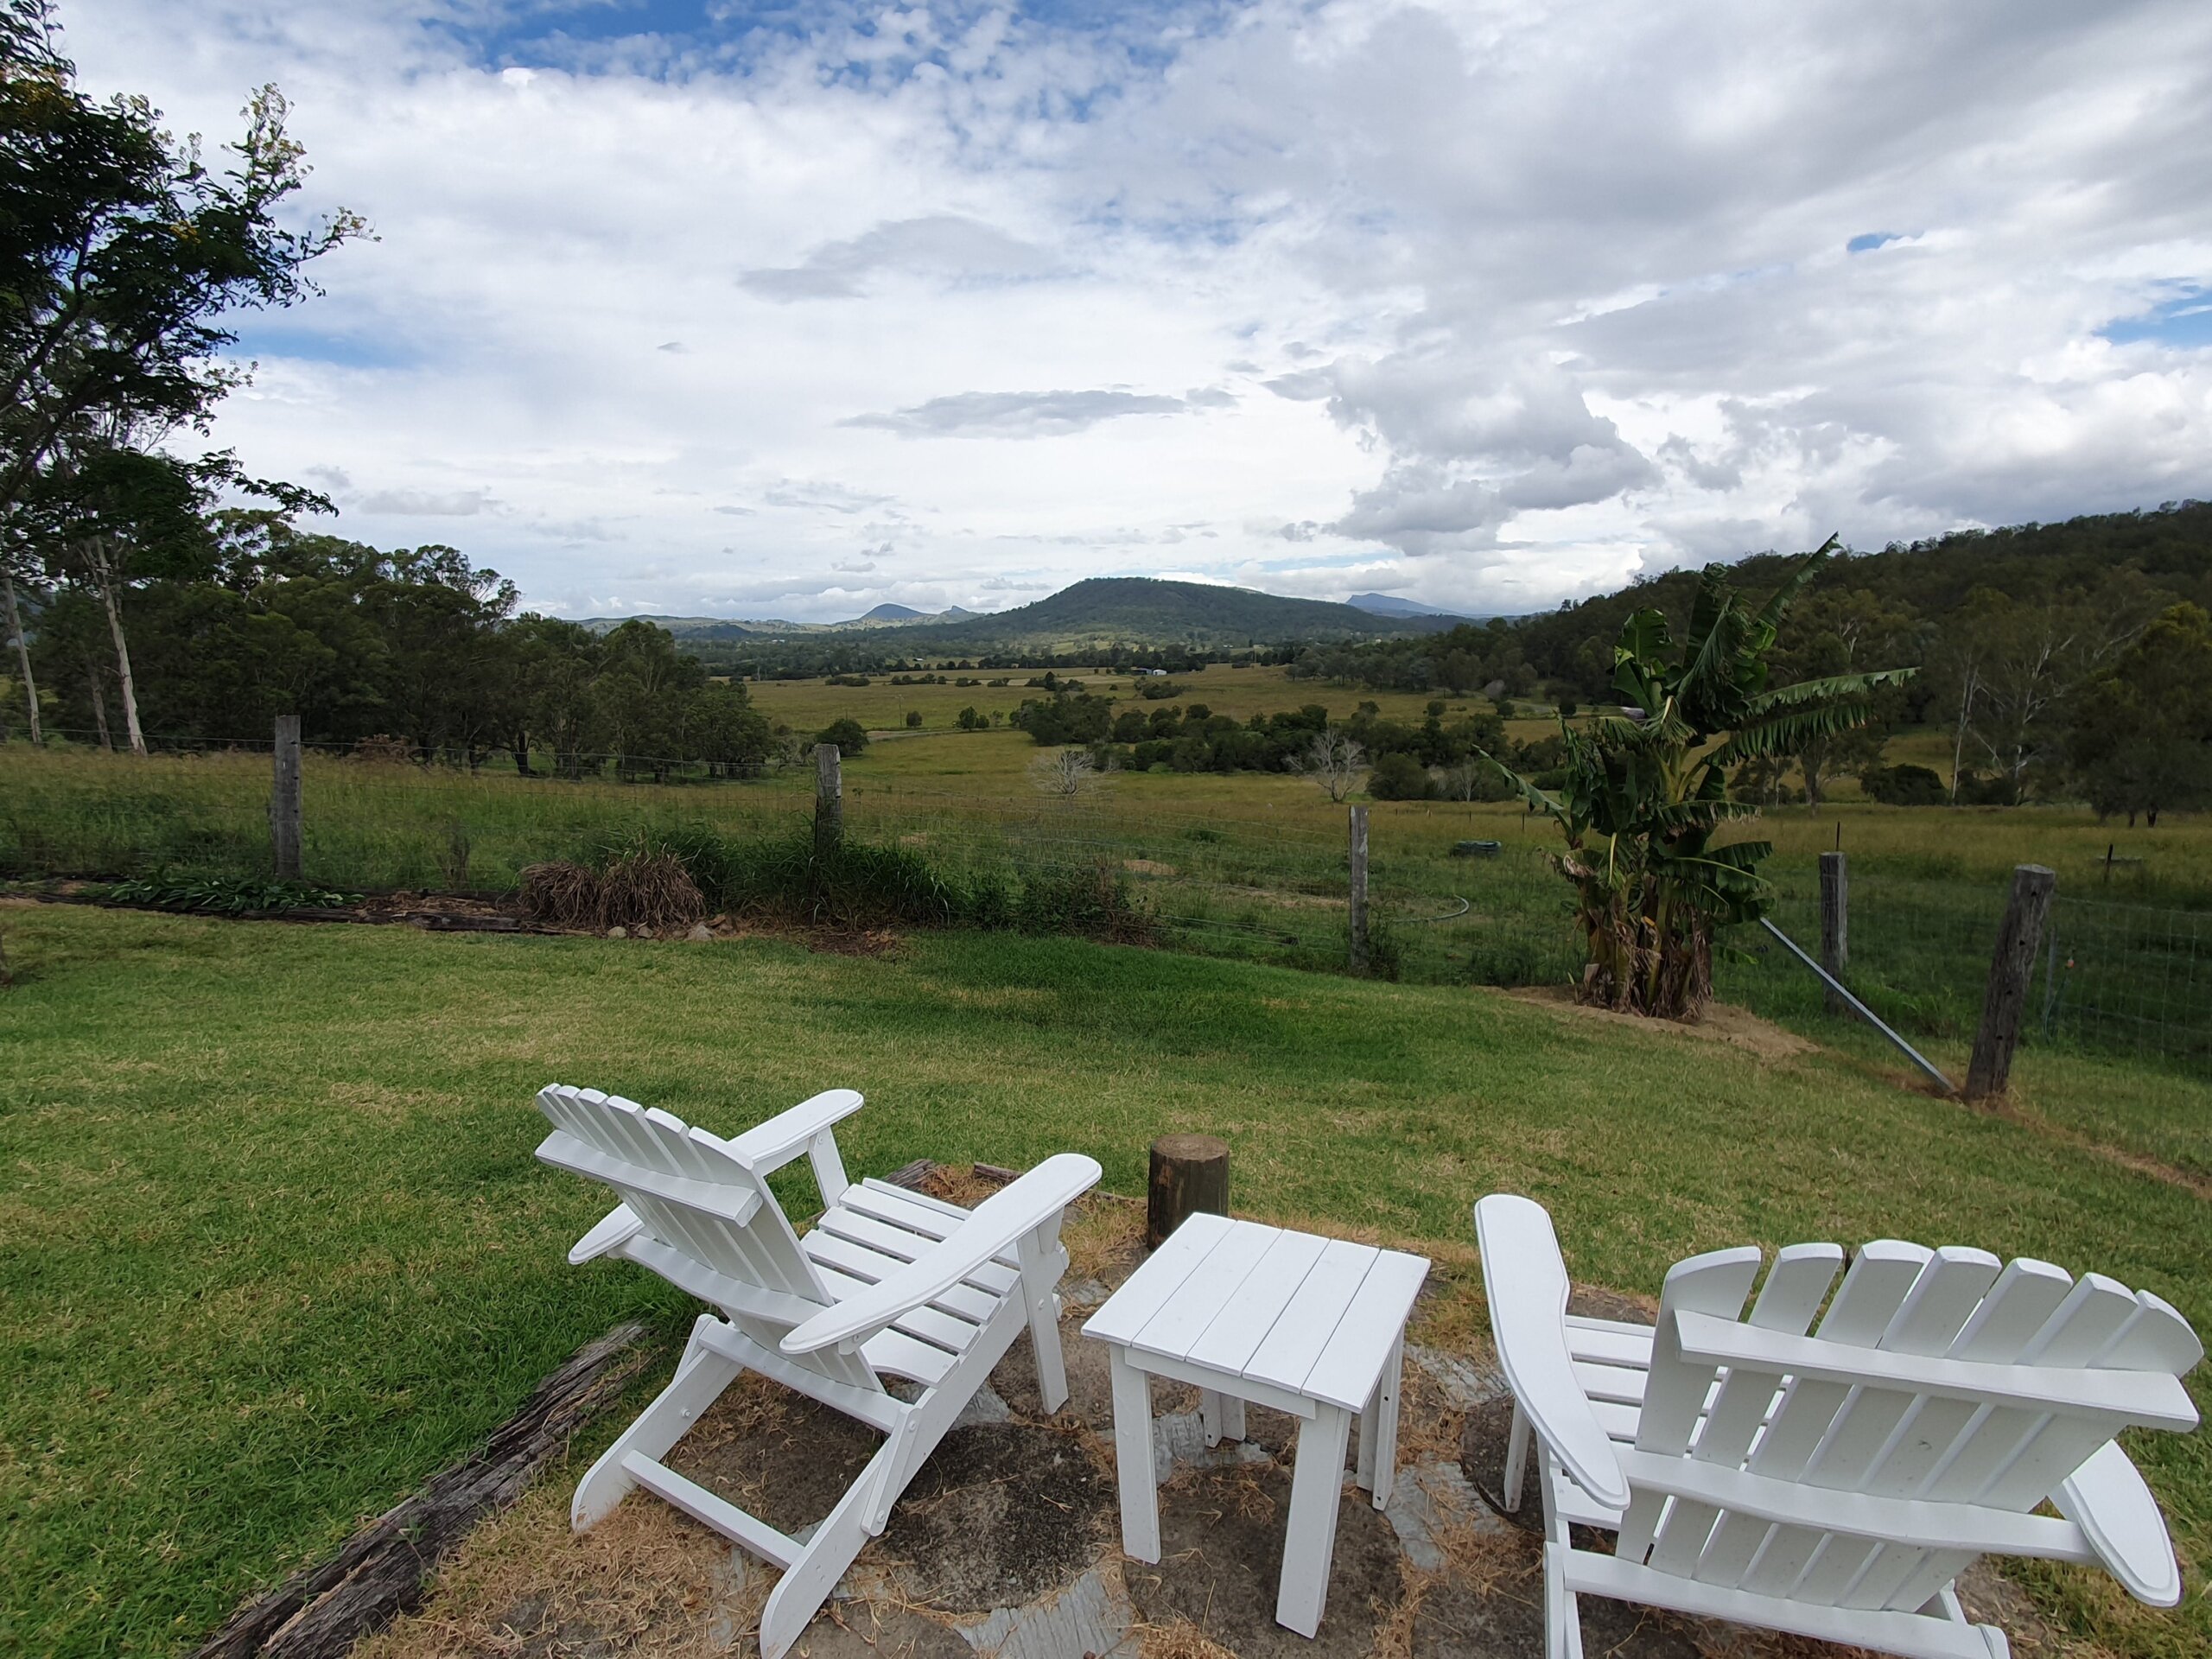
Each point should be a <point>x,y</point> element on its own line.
<point>1172,1263</point>
<point>1234,1337</point>
<point>1344,1370</point>
<point>871,1267</point>
<point>1943,1398</point>
<point>1942,1301</point>
<point>925,1298</point>
<point>1034,1200</point>
<point>909,1195</point>
<point>1287,1354</point>
<point>1675,1396</point>
<point>932,1324</point>
<point>1174,1329</point>
<point>1796,1287</point>
<point>1628,1346</point>
<point>990,1277</point>
<point>899,1209</point>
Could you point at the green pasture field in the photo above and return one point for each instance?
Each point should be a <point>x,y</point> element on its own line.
<point>275,1247</point>
<point>1241,865</point>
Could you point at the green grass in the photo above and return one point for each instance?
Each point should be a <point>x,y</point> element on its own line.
<point>275,1246</point>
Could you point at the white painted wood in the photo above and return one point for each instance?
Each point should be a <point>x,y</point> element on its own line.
<point>1235,1335</point>
<point>1023,1205</point>
<point>916,1212</point>
<point>1286,1357</point>
<point>1360,1349</point>
<point>935,1296</point>
<point>1317,1484</point>
<point>1525,1280</point>
<point>1306,1326</point>
<point>1128,1308</point>
<point>1199,1302</point>
<point>1133,1456</point>
<point>1833,1485</point>
<point>703,1506</point>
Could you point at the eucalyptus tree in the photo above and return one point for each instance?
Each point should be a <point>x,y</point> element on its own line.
<point>1645,797</point>
<point>123,256</point>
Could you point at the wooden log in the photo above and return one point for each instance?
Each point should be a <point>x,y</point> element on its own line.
<point>2010,965</point>
<point>1190,1172</point>
<point>284,799</point>
<point>384,1570</point>
<point>1835,922</point>
<point>829,799</point>
<point>1358,862</point>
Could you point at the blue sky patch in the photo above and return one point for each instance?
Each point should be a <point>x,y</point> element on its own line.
<point>267,341</point>
<point>1870,240</point>
<point>2183,322</point>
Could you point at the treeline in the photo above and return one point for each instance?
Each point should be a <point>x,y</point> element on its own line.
<point>2063,661</point>
<point>415,648</point>
<point>1401,761</point>
<point>879,652</point>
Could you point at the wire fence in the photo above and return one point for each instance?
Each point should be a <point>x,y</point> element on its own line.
<point>1269,885</point>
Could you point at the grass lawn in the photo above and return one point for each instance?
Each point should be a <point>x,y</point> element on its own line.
<point>274,1246</point>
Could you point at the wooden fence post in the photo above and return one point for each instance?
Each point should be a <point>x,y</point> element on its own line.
<point>1358,861</point>
<point>284,799</point>
<point>829,799</point>
<point>2010,967</point>
<point>1190,1172</point>
<point>1835,922</point>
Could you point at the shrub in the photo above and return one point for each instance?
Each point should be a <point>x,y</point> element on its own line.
<point>1398,776</point>
<point>1904,786</point>
<point>913,719</point>
<point>847,734</point>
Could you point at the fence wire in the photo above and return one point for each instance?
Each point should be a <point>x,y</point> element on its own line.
<point>1264,884</point>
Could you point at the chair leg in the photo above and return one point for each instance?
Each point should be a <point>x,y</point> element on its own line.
<point>841,1536</point>
<point>1034,1251</point>
<point>700,1378</point>
<point>1517,1459</point>
<point>1378,1431</point>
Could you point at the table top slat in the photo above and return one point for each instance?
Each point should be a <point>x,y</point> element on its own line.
<point>1311,1318</point>
<point>1185,1316</point>
<point>1128,1309</point>
<point>1345,1372</point>
<point>1231,1342</point>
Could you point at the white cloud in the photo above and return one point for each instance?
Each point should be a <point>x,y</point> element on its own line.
<point>1482,305</point>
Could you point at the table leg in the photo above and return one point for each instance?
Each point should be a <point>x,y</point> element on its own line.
<point>1133,1459</point>
<point>1378,1429</point>
<point>1316,1484</point>
<point>1222,1415</point>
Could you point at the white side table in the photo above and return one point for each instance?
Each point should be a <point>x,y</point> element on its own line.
<point>1312,1326</point>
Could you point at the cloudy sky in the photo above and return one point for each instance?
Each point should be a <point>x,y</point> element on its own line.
<point>713,309</point>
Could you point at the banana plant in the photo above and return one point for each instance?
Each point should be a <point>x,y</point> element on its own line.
<point>1646,790</point>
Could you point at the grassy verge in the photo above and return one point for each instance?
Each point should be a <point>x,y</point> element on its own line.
<point>275,1246</point>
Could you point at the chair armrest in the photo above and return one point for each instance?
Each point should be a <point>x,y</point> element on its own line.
<point>998,1220</point>
<point>1525,1281</point>
<point>771,1144</point>
<point>616,1228</point>
<point>2106,1498</point>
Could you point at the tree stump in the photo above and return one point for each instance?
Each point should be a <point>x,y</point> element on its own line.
<point>1190,1172</point>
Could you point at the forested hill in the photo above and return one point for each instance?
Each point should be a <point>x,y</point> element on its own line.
<point>1140,610</point>
<point>1912,604</point>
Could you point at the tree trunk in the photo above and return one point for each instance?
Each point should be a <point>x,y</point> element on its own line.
<point>1958,743</point>
<point>22,657</point>
<point>109,598</point>
<point>99,706</point>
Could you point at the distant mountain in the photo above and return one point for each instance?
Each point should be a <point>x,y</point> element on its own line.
<point>1104,610</point>
<point>1145,611</point>
<point>692,628</point>
<point>1392,605</point>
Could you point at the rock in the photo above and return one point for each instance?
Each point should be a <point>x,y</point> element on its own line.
<point>618,932</point>
<point>700,931</point>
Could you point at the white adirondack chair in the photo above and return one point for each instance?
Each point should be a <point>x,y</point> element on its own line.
<point>1834,1484</point>
<point>889,1283</point>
